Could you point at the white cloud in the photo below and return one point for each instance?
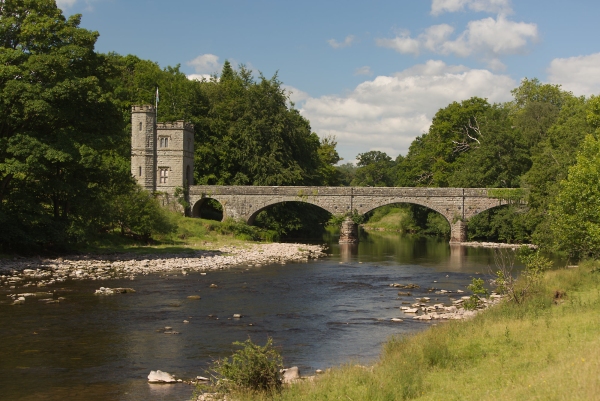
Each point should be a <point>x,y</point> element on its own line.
<point>490,6</point>
<point>402,43</point>
<point>337,45</point>
<point>62,4</point>
<point>390,111</point>
<point>295,94</point>
<point>205,64</point>
<point>366,70</point>
<point>486,39</point>
<point>580,75</point>
<point>199,77</point>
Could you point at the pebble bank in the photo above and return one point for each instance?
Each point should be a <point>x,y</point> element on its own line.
<point>40,272</point>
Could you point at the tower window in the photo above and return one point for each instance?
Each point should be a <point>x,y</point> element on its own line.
<point>140,171</point>
<point>164,175</point>
<point>141,126</point>
<point>164,142</point>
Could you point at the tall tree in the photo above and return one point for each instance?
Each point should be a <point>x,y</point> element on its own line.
<point>454,131</point>
<point>58,124</point>
<point>375,169</point>
<point>251,136</point>
<point>575,212</point>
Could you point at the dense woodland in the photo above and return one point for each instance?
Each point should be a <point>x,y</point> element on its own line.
<point>65,146</point>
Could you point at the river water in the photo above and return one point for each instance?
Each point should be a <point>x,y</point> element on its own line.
<point>321,313</point>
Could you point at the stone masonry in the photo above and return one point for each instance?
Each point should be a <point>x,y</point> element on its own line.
<point>162,160</point>
<point>162,154</point>
<point>457,205</point>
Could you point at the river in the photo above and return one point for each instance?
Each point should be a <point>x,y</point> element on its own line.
<point>320,314</point>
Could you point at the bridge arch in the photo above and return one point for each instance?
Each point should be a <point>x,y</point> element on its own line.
<point>256,209</point>
<point>199,209</point>
<point>444,211</point>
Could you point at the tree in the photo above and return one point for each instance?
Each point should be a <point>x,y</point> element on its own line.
<point>375,169</point>
<point>328,158</point>
<point>575,213</point>
<point>455,130</point>
<point>250,136</point>
<point>58,124</point>
<point>500,157</point>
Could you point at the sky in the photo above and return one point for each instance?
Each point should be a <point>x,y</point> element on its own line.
<point>371,73</point>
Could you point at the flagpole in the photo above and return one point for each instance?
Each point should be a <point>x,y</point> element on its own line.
<point>156,104</point>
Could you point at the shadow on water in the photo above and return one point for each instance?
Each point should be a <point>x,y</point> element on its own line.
<point>320,313</point>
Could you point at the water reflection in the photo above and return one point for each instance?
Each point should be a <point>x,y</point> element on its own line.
<point>457,257</point>
<point>348,252</point>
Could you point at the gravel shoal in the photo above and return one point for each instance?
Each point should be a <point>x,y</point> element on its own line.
<point>41,272</point>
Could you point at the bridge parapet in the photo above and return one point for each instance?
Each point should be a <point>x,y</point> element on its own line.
<point>457,205</point>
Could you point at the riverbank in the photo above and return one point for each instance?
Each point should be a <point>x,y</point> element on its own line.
<point>545,348</point>
<point>41,272</point>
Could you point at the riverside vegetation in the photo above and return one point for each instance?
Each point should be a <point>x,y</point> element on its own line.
<point>544,347</point>
<point>65,185</point>
<point>65,180</point>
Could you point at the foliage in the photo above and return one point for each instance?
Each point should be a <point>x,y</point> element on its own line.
<point>374,170</point>
<point>294,220</point>
<point>252,368</point>
<point>59,126</point>
<point>346,173</point>
<point>507,194</point>
<point>575,213</point>
<point>477,288</point>
<point>248,135</point>
<point>139,214</point>
<point>529,280</point>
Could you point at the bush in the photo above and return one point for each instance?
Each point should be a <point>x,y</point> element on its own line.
<point>253,367</point>
<point>529,279</point>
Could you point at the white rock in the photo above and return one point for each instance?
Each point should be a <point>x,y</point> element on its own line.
<point>396,319</point>
<point>291,374</point>
<point>159,376</point>
<point>202,378</point>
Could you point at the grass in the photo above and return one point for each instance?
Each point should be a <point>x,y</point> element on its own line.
<point>391,219</point>
<point>191,234</point>
<point>543,349</point>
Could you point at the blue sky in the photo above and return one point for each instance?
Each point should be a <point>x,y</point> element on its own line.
<point>371,73</point>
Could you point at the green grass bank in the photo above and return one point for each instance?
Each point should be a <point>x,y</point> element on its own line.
<point>187,235</point>
<point>547,348</point>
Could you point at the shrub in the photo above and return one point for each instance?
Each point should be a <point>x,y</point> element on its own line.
<point>529,279</point>
<point>253,367</point>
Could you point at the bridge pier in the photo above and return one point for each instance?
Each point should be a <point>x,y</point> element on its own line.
<point>458,232</point>
<point>349,232</point>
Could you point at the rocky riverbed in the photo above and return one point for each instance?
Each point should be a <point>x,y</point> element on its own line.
<point>41,272</point>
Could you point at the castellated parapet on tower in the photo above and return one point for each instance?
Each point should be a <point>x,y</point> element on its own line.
<point>162,154</point>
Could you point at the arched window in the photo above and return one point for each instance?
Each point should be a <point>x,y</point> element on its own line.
<point>141,126</point>
<point>140,171</point>
<point>166,142</point>
<point>162,142</point>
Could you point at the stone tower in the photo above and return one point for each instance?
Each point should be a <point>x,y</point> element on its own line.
<point>143,146</point>
<point>162,154</point>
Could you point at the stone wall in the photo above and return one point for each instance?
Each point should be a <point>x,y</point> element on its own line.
<point>143,150</point>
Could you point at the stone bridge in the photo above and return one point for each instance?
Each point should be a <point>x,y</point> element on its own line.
<point>457,205</point>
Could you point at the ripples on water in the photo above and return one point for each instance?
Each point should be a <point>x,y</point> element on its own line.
<point>321,313</point>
